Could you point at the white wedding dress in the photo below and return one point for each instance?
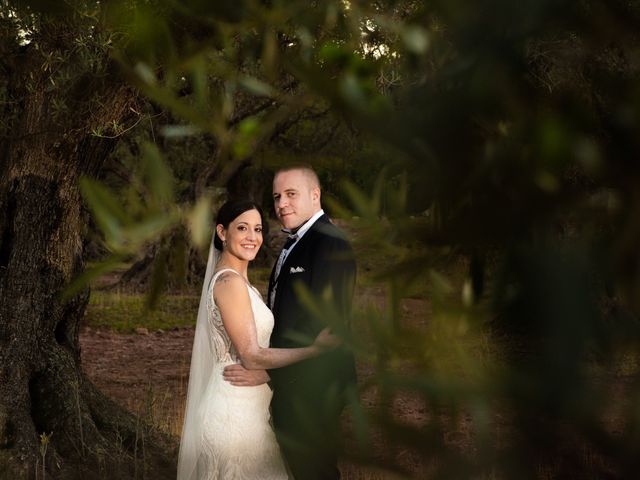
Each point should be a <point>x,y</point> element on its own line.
<point>238,441</point>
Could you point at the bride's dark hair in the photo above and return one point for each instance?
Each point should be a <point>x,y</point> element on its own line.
<point>231,210</point>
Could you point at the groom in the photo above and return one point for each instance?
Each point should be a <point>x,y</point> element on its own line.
<point>308,397</point>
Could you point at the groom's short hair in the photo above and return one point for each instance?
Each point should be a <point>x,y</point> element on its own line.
<point>309,172</point>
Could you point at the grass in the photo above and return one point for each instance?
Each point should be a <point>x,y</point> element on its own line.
<point>124,312</point>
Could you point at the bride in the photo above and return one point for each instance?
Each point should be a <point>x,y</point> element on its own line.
<point>226,433</point>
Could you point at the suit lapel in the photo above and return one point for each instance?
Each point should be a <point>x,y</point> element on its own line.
<point>295,253</point>
<point>303,243</point>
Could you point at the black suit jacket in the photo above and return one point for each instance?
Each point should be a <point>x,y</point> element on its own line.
<point>322,262</point>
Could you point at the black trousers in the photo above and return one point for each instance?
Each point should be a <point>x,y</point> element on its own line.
<point>307,429</point>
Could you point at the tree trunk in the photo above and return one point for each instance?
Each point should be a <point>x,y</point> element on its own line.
<point>43,390</point>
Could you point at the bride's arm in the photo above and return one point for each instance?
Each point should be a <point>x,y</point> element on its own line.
<point>232,298</point>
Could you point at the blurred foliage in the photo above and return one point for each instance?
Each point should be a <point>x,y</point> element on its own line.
<point>142,213</point>
<point>499,135</point>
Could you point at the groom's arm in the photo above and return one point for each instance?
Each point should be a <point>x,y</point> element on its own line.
<point>239,376</point>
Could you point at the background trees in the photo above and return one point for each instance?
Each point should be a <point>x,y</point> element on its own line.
<point>508,136</point>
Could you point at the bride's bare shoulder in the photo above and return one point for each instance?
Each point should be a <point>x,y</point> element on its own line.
<point>229,286</point>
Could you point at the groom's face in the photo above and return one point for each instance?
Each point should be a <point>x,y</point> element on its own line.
<point>295,198</point>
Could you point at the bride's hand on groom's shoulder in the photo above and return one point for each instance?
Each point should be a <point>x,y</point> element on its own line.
<point>239,376</point>
<point>327,340</point>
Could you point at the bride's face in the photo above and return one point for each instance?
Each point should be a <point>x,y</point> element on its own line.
<point>243,236</point>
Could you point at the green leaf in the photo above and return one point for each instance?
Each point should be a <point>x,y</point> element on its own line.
<point>365,206</point>
<point>109,214</point>
<point>158,176</point>
<point>441,285</point>
<point>257,87</point>
<point>248,132</point>
<point>334,53</point>
<point>149,228</point>
<point>199,220</point>
<point>179,131</point>
<point>352,91</point>
<point>145,73</point>
<point>416,39</point>
<point>112,263</point>
<point>199,80</point>
<point>270,52</point>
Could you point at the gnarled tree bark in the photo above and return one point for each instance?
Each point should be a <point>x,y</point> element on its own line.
<point>43,389</point>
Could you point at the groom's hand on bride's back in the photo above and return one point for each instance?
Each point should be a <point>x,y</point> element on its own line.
<point>239,376</point>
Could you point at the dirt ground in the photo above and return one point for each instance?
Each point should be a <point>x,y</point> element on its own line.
<point>147,373</point>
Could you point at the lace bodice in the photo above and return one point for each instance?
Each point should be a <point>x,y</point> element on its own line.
<point>221,345</point>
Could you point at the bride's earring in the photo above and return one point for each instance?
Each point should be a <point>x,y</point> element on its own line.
<point>224,243</point>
